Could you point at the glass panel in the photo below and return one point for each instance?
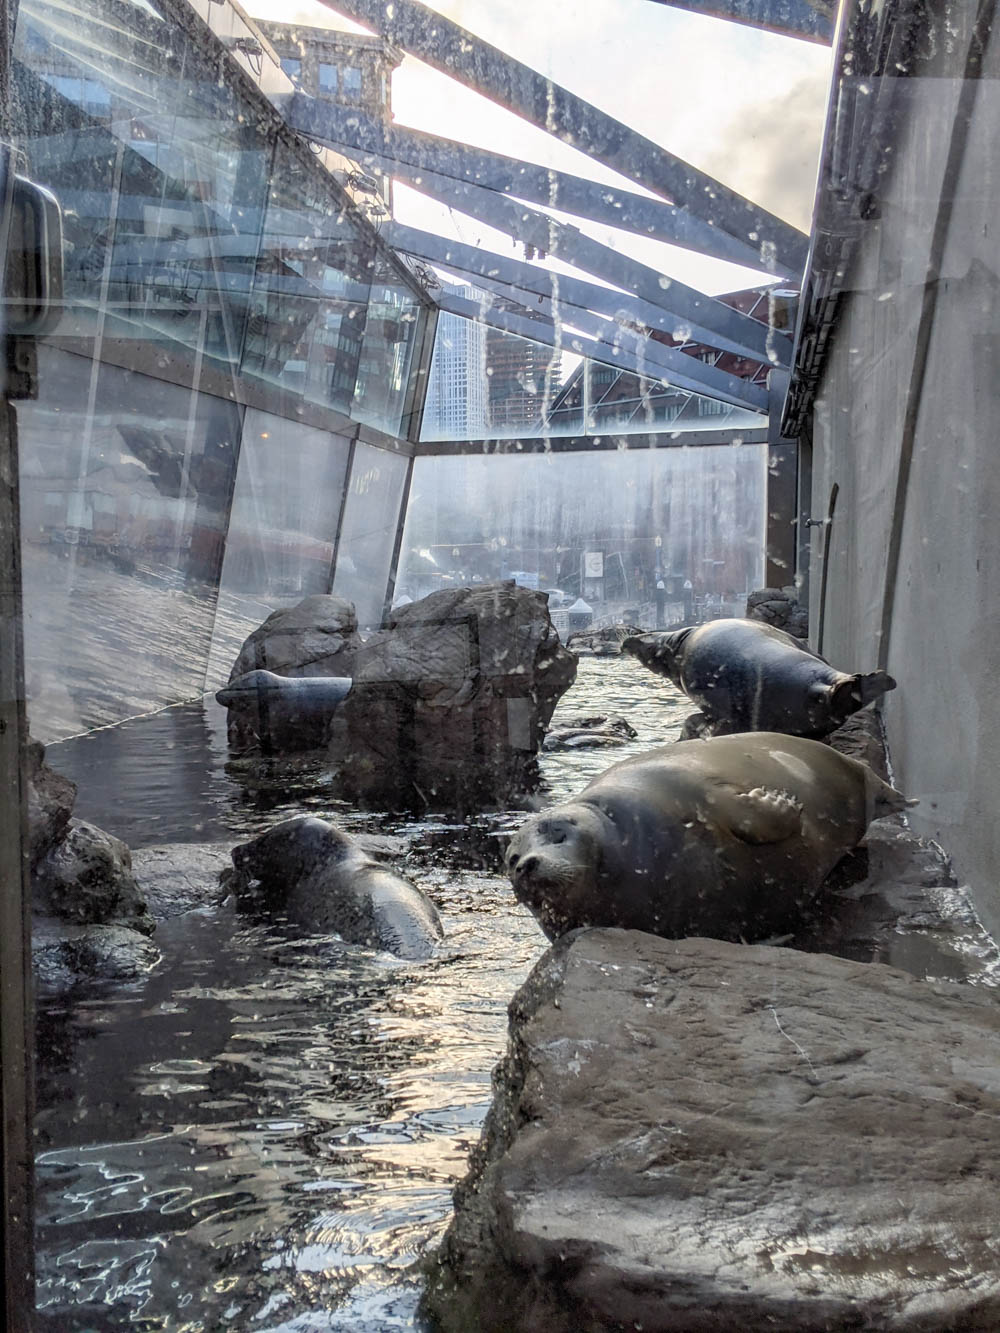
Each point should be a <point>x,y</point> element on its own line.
<point>488,383</point>
<point>292,67</point>
<point>123,515</point>
<point>312,287</point>
<point>368,535</point>
<point>286,507</point>
<point>351,79</point>
<point>159,174</point>
<point>392,333</point>
<point>327,77</point>
<point>682,515</point>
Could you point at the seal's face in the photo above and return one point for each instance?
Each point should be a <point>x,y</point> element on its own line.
<point>659,652</point>
<point>289,850</point>
<point>554,858</point>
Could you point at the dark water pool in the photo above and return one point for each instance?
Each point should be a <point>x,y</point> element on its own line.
<point>264,1134</point>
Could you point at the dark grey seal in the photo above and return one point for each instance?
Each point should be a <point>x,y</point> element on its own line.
<point>746,676</point>
<point>303,696</point>
<point>728,837</point>
<point>321,879</point>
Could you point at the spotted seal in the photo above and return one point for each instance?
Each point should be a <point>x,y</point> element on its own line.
<point>728,837</point>
<point>320,878</point>
<point>747,676</point>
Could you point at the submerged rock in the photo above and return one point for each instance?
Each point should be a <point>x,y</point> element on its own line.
<point>705,1136</point>
<point>590,731</point>
<point>63,956</point>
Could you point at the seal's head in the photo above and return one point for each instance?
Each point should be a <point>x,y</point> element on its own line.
<point>553,862</point>
<point>288,851</point>
<point>659,652</point>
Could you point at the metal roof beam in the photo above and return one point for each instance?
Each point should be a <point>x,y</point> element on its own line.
<point>408,153</point>
<point>629,349</point>
<point>646,364</point>
<point>466,58</point>
<point>538,282</point>
<point>792,18</point>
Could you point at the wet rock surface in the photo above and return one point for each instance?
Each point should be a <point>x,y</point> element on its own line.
<point>451,700</point>
<point>50,802</point>
<point>64,955</point>
<point>594,731</point>
<point>87,878</point>
<point>180,877</point>
<point>781,608</point>
<point>604,642</point>
<point>704,1136</point>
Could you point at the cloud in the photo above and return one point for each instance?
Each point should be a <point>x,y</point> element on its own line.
<point>770,151</point>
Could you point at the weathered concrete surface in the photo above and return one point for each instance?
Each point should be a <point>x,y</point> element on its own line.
<point>704,1136</point>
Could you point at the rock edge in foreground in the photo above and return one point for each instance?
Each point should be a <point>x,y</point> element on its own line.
<point>704,1136</point>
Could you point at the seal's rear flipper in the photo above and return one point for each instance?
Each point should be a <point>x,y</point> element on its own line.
<point>854,692</point>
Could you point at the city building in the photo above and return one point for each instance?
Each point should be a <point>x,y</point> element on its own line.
<point>456,406</point>
<point>347,69</point>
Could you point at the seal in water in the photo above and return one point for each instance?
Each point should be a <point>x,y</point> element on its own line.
<point>321,879</point>
<point>728,837</point>
<point>285,712</point>
<point>746,676</point>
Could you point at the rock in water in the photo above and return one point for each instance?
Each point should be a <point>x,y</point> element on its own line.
<point>692,1135</point>
<point>451,700</point>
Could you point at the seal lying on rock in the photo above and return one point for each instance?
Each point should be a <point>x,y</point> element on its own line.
<point>728,837</point>
<point>321,879</point>
<point>746,676</point>
<point>284,712</point>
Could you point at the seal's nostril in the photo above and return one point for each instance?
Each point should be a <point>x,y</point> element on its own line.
<point>529,865</point>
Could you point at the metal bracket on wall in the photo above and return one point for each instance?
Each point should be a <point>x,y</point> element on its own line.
<point>827,525</point>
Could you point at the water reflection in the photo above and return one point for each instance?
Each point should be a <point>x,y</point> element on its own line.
<point>267,1131</point>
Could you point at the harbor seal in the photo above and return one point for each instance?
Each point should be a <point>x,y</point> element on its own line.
<point>746,676</point>
<point>320,878</point>
<point>729,837</point>
<point>284,712</point>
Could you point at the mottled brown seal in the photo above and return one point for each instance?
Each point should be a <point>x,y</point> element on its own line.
<point>728,837</point>
<point>746,676</point>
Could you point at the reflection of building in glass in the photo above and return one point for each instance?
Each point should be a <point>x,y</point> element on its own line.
<point>456,406</point>
<point>339,67</point>
<point>520,374</point>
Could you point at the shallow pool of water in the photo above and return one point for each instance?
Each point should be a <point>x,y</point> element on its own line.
<point>264,1134</point>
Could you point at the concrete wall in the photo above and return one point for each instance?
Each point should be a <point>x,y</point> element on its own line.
<point>938,628</point>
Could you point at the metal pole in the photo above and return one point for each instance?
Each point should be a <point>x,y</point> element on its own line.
<point>16,1018</point>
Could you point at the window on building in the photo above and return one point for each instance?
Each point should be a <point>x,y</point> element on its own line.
<point>327,77</point>
<point>293,68</point>
<point>351,82</point>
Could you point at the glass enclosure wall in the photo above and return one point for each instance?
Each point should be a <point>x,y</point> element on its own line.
<point>367,540</point>
<point>687,516</point>
<point>229,318</point>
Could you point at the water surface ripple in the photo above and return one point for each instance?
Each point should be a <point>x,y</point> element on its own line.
<point>265,1133</point>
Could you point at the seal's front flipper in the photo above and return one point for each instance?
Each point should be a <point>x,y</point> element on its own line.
<point>759,816</point>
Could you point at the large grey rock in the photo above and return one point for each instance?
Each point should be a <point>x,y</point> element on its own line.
<point>451,700</point>
<point>693,1135</point>
<point>87,878</point>
<point>316,637</point>
<point>50,802</point>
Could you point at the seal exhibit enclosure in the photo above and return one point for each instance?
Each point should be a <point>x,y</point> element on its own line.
<point>730,837</point>
<point>358,359</point>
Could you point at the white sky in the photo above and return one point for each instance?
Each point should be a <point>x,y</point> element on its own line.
<point>743,105</point>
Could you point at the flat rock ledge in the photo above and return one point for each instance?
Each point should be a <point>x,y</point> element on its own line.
<point>694,1135</point>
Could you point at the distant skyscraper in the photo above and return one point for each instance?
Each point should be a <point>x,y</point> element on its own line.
<point>456,405</point>
<point>517,382</point>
